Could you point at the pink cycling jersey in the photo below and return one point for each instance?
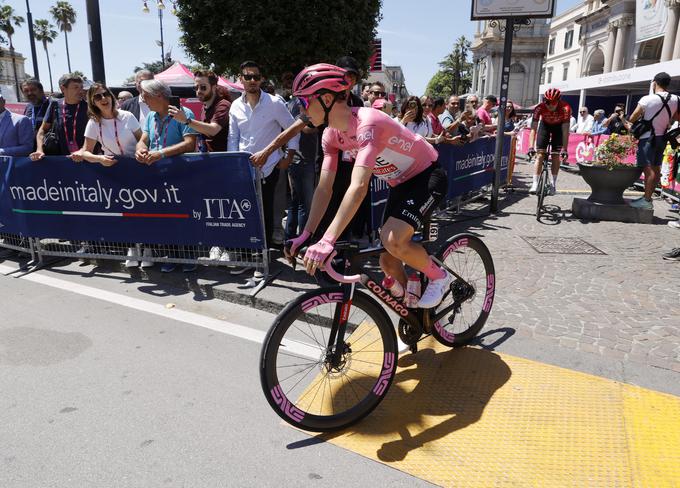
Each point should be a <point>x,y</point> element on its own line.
<point>376,141</point>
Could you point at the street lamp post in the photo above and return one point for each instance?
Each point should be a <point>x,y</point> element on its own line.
<point>31,36</point>
<point>160,6</point>
<point>96,48</point>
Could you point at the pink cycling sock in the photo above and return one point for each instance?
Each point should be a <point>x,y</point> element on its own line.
<point>433,271</point>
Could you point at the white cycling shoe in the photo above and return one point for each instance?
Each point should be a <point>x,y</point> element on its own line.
<point>435,291</point>
<point>534,187</point>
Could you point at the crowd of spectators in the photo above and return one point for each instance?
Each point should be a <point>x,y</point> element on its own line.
<point>95,126</point>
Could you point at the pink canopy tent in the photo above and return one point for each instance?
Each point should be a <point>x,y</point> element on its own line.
<point>180,75</point>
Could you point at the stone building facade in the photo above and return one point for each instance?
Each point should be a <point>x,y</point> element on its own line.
<point>7,84</point>
<point>528,51</point>
<point>607,38</point>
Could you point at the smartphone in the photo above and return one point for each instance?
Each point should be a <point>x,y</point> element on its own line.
<point>412,104</point>
<point>174,101</point>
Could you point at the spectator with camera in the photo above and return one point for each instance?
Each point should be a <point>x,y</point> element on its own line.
<point>617,123</point>
<point>650,121</point>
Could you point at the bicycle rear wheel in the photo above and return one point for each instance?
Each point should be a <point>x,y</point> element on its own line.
<point>310,387</point>
<point>466,306</point>
<point>540,192</point>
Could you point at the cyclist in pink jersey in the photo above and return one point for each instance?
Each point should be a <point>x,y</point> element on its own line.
<point>383,147</point>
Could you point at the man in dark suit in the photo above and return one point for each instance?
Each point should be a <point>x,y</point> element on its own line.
<point>16,133</point>
<point>136,105</point>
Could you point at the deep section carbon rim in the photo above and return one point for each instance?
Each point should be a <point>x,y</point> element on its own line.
<point>317,386</point>
<point>467,304</point>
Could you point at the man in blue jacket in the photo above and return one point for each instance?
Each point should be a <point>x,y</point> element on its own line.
<point>16,133</point>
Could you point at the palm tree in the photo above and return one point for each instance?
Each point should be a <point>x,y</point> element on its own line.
<point>65,16</point>
<point>7,23</point>
<point>44,32</point>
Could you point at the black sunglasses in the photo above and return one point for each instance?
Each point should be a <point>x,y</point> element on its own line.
<point>251,77</point>
<point>379,93</point>
<point>100,96</point>
<point>200,87</point>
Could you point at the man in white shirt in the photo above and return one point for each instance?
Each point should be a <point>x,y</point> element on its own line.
<point>661,109</point>
<point>136,105</point>
<point>584,121</point>
<point>255,119</point>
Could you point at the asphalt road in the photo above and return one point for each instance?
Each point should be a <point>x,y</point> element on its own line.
<point>101,388</point>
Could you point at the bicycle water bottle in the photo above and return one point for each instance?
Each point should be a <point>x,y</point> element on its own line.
<point>412,291</point>
<point>394,287</point>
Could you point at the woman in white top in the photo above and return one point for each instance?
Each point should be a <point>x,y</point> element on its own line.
<point>116,130</point>
<point>416,121</point>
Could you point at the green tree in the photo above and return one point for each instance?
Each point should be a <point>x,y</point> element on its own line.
<point>457,66</point>
<point>440,85</point>
<point>65,16</point>
<point>7,23</point>
<point>44,32</point>
<point>278,39</point>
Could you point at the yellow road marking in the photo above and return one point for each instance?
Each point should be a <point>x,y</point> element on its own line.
<point>475,418</point>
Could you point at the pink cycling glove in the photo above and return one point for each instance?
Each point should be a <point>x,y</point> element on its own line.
<point>293,245</point>
<point>319,252</point>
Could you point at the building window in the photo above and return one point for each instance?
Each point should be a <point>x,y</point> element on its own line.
<point>551,46</point>
<point>542,82</point>
<point>565,71</point>
<point>569,39</point>
<point>549,80</point>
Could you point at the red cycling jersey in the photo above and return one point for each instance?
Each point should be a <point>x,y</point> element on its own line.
<point>558,116</point>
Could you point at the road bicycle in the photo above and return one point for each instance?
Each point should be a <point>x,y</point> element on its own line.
<point>545,185</point>
<point>330,356</point>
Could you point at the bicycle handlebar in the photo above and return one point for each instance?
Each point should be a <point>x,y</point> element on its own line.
<point>337,276</point>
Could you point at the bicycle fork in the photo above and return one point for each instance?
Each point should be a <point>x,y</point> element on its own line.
<point>336,337</point>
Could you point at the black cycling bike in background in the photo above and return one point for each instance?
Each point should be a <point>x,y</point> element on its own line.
<point>545,186</point>
<point>330,356</point>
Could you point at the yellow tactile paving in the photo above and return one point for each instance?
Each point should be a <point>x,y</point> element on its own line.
<point>474,418</point>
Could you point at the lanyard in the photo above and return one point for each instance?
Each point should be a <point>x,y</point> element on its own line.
<point>158,131</point>
<point>33,115</point>
<point>75,120</point>
<point>115,128</point>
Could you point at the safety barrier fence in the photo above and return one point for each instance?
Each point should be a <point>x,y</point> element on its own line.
<point>194,209</point>
<point>201,209</point>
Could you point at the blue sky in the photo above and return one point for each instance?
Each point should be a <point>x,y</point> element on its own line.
<point>415,35</point>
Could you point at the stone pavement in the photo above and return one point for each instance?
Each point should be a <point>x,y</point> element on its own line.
<point>622,303</point>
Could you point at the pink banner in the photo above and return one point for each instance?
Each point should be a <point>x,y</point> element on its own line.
<point>581,149</point>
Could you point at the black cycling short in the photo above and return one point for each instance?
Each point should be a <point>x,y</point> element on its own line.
<point>416,198</point>
<point>549,134</point>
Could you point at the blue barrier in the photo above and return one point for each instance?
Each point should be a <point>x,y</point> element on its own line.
<point>194,199</point>
<point>469,167</point>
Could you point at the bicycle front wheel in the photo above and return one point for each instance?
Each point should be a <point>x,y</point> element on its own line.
<point>540,193</point>
<point>466,306</point>
<point>316,381</point>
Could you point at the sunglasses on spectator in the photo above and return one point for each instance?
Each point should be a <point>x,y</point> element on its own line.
<point>582,112</point>
<point>379,93</point>
<point>473,102</point>
<point>251,77</point>
<point>428,105</point>
<point>98,97</point>
<point>200,87</point>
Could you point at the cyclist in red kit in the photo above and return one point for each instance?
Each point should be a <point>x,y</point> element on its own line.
<point>553,115</point>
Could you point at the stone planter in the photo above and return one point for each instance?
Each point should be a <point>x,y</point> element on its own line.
<point>608,185</point>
